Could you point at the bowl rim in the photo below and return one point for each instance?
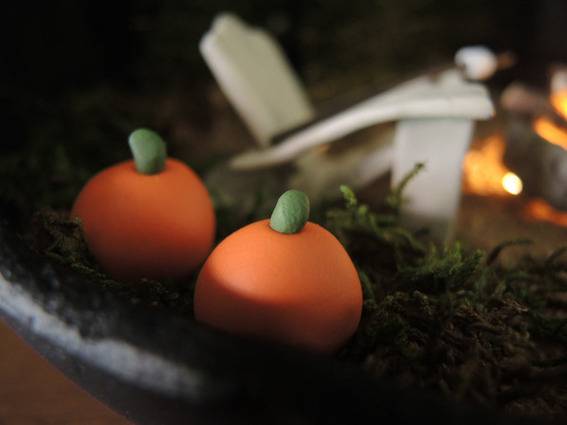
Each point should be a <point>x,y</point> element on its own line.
<point>208,367</point>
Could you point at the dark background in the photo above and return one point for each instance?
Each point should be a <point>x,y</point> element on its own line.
<point>77,77</point>
<point>50,49</point>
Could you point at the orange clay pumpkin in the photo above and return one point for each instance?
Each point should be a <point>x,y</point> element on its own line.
<point>282,279</point>
<point>147,218</point>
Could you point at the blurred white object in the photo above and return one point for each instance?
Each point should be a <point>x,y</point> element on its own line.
<point>252,71</point>
<point>423,97</point>
<point>558,82</point>
<point>320,172</point>
<point>434,116</point>
<point>477,62</point>
<point>440,142</point>
<point>432,198</point>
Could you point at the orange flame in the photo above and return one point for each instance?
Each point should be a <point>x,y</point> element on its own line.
<point>559,101</point>
<point>551,132</point>
<point>557,135</point>
<point>547,129</point>
<point>485,172</point>
<point>541,210</point>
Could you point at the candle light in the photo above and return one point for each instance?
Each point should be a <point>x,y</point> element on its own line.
<point>512,183</point>
<point>484,170</point>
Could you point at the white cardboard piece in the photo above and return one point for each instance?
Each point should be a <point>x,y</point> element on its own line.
<point>253,72</point>
<point>434,120</point>
<point>435,123</point>
<point>432,198</point>
<point>448,96</point>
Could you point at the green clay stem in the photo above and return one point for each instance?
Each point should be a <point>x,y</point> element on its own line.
<point>148,150</point>
<point>291,212</point>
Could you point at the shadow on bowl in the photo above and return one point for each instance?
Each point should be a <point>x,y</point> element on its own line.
<point>157,367</point>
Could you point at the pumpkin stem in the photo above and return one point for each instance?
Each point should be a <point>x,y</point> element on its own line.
<point>148,150</point>
<point>291,212</point>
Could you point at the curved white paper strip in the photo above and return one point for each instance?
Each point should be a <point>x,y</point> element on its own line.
<point>446,97</point>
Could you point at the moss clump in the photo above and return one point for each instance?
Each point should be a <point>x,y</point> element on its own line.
<point>452,320</point>
<point>445,319</point>
<point>60,238</point>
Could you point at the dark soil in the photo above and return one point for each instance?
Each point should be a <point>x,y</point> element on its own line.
<point>454,322</point>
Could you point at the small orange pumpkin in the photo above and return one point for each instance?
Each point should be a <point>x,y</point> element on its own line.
<point>283,279</point>
<point>150,217</point>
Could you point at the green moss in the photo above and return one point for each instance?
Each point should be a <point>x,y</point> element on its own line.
<point>445,319</point>
<point>61,239</point>
<point>449,319</point>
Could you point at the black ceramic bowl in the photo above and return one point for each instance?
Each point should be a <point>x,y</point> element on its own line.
<point>160,368</point>
<point>156,367</point>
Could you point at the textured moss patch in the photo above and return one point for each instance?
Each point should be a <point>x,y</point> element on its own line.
<point>453,320</point>
<point>445,319</point>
